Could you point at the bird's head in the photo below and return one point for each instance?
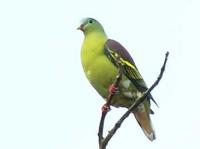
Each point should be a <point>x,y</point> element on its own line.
<point>89,25</point>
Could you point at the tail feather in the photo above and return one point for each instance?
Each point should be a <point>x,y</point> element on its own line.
<point>143,119</point>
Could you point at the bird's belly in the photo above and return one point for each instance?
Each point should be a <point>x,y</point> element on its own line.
<point>101,73</point>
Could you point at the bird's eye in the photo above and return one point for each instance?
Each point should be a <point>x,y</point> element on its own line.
<point>90,21</point>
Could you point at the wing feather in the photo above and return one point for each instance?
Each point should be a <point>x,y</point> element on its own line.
<point>120,57</point>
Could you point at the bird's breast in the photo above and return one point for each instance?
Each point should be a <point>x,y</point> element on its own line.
<point>98,68</point>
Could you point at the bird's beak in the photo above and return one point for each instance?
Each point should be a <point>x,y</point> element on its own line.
<point>81,27</point>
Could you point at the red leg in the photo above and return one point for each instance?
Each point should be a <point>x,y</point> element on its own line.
<point>112,89</point>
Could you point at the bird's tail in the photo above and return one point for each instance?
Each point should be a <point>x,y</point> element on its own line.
<point>143,119</point>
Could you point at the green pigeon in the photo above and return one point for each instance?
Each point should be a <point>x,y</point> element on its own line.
<point>101,58</point>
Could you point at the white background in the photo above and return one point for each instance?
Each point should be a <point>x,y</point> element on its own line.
<point>46,101</point>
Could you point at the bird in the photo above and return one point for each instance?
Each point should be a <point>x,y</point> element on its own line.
<point>101,60</point>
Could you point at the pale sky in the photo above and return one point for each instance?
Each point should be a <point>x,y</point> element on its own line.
<point>46,101</point>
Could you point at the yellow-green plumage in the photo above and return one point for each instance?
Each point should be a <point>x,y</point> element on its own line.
<point>93,58</point>
<point>101,72</point>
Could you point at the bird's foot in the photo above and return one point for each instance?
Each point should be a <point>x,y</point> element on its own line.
<point>105,108</point>
<point>112,89</point>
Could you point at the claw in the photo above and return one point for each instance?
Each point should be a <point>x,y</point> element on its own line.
<point>112,89</point>
<point>105,108</point>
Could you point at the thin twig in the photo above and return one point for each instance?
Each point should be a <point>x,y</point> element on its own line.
<point>104,141</point>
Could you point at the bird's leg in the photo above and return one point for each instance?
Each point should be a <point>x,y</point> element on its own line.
<point>112,89</point>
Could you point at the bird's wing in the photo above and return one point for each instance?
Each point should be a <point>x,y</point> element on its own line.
<point>119,56</point>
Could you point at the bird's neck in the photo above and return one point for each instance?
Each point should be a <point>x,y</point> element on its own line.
<point>95,41</point>
<point>94,35</point>
<point>92,48</point>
